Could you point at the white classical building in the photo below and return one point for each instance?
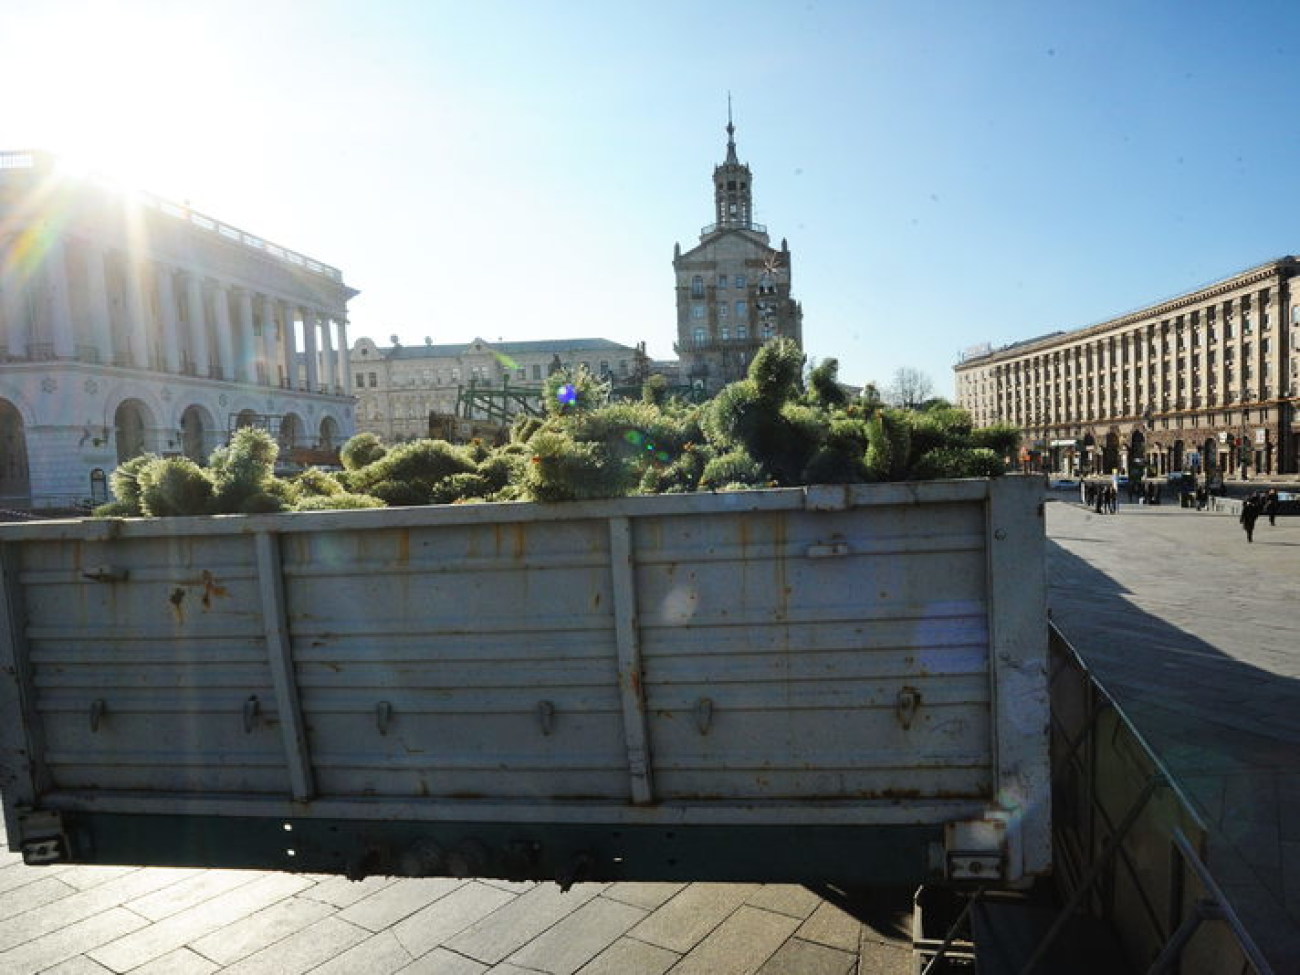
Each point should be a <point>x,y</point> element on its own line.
<point>130,324</point>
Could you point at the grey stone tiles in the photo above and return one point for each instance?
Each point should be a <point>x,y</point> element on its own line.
<point>88,920</point>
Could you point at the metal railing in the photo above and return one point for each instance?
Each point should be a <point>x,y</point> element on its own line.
<point>1128,846</point>
<point>1129,855</point>
<point>733,225</point>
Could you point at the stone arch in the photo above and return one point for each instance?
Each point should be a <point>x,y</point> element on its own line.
<point>132,421</point>
<point>1137,449</point>
<point>15,477</point>
<point>1210,454</point>
<point>329,433</point>
<point>1110,452</point>
<point>290,434</point>
<point>246,418</point>
<point>197,433</point>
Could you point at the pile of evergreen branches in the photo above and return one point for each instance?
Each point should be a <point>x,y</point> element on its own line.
<point>769,429</point>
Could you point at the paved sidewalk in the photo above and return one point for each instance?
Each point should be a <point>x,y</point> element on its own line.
<point>81,920</point>
<point>1195,633</point>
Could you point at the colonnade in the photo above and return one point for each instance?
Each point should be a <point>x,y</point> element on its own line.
<point>79,300</point>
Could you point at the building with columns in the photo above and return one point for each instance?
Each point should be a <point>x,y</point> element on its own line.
<point>129,324</point>
<point>399,388</point>
<point>1208,382</point>
<point>733,287</point>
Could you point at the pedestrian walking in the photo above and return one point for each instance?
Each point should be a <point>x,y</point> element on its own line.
<point>1270,506</point>
<point>1250,510</point>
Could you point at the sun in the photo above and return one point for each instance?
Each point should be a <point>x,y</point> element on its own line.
<point>127,92</point>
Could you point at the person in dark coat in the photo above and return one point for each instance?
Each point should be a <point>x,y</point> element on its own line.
<point>1250,510</point>
<point>1270,506</point>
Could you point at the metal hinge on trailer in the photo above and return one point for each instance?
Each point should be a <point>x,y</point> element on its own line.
<point>41,837</point>
<point>975,850</point>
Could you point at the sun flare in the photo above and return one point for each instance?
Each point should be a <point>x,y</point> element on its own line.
<point>132,96</point>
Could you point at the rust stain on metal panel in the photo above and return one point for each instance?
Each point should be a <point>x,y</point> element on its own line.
<point>782,582</point>
<point>211,588</point>
<point>177,600</point>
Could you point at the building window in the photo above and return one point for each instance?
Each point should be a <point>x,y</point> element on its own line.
<point>700,335</point>
<point>722,309</point>
<point>537,371</point>
<point>741,281</point>
<point>726,333</point>
<point>361,380</point>
<point>622,367</point>
<point>742,310</point>
<point>742,331</point>
<point>374,380</point>
<point>722,280</point>
<point>697,286</point>
<point>697,312</point>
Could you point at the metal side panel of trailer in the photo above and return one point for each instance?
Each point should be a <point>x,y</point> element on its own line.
<point>842,683</point>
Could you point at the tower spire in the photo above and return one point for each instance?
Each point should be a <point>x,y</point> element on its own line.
<point>731,136</point>
<point>732,201</point>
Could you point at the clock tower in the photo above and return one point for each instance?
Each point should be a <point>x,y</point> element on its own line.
<point>733,287</point>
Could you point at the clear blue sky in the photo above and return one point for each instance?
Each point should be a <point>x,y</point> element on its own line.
<point>946,173</point>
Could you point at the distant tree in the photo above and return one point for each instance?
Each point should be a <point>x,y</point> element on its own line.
<point>909,388</point>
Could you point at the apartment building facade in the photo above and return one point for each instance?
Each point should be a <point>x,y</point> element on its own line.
<point>1206,382</point>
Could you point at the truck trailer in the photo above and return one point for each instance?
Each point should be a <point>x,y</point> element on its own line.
<point>840,683</point>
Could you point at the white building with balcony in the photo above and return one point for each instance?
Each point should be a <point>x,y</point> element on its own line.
<point>129,324</point>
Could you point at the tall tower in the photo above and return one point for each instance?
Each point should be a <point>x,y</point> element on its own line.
<point>733,287</point>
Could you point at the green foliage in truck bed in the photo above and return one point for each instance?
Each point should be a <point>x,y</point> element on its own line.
<point>768,429</point>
